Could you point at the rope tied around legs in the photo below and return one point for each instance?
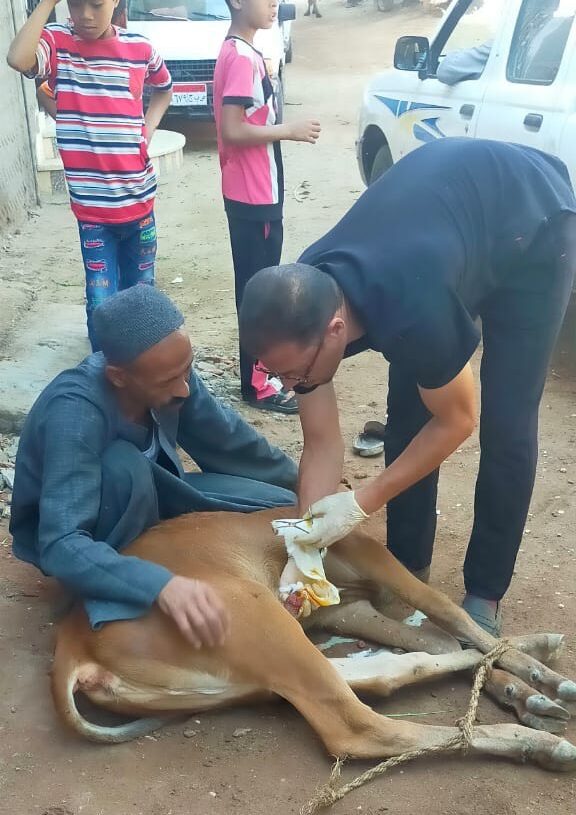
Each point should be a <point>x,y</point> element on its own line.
<point>328,794</point>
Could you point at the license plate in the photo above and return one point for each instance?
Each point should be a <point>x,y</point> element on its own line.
<point>187,93</point>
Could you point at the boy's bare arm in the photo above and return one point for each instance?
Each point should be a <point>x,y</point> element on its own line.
<point>236,130</point>
<point>22,52</point>
<point>159,104</point>
<point>46,102</point>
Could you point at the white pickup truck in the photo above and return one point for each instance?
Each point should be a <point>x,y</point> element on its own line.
<point>526,92</point>
<point>189,34</point>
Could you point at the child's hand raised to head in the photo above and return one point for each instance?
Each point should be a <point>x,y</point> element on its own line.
<point>307,131</point>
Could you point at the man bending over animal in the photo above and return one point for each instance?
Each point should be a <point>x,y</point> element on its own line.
<point>97,466</point>
<point>458,229</point>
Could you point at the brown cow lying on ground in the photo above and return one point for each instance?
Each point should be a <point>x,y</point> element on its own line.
<point>145,665</point>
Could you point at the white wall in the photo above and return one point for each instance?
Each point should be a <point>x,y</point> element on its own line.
<point>17,118</point>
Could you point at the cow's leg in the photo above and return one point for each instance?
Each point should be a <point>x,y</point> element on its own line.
<point>359,615</point>
<point>385,673</point>
<point>269,650</point>
<point>532,709</point>
<point>372,559</point>
<point>360,619</point>
<point>544,647</point>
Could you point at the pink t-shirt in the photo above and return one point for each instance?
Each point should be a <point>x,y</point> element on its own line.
<point>252,177</point>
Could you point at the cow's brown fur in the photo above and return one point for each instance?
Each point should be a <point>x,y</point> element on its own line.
<point>145,665</point>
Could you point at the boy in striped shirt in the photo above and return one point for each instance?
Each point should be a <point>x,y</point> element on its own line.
<point>97,73</point>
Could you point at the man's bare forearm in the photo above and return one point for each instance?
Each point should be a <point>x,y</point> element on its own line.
<point>320,473</point>
<point>454,415</point>
<point>425,453</point>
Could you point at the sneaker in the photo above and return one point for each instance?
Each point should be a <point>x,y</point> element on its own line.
<point>280,402</point>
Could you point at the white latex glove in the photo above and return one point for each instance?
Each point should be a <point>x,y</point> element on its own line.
<point>327,521</point>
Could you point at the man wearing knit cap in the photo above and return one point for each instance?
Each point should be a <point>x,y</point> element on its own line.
<point>97,466</point>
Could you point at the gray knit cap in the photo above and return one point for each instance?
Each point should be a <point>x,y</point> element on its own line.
<point>132,321</point>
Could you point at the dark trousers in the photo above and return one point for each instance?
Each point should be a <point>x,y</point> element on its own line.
<point>520,325</point>
<point>137,493</point>
<point>255,245</point>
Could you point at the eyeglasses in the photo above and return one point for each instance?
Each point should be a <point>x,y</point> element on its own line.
<point>298,379</point>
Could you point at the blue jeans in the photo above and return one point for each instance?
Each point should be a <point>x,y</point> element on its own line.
<point>116,256</point>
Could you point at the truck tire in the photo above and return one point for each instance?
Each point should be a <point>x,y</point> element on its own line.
<point>289,53</point>
<point>384,5</point>
<point>382,162</point>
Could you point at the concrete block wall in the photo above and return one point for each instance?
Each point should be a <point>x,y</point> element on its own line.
<point>17,120</point>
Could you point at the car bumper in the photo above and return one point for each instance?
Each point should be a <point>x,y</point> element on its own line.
<point>198,113</point>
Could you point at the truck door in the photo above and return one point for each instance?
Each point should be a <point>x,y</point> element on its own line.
<point>528,96</point>
<point>426,108</point>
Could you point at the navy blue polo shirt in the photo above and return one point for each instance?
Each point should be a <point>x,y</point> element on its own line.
<point>436,235</point>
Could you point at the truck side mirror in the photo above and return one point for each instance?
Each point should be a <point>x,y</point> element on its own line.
<point>286,11</point>
<point>411,53</point>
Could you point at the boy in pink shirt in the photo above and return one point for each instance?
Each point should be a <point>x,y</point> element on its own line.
<point>252,175</point>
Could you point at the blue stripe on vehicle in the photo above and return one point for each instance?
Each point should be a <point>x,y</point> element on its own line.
<point>400,106</point>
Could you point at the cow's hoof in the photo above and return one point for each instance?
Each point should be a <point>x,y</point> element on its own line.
<point>562,758</point>
<point>567,690</point>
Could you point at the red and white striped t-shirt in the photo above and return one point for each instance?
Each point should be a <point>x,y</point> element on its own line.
<point>252,177</point>
<point>100,130</point>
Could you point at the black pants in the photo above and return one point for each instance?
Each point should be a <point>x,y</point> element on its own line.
<point>255,245</point>
<point>520,325</point>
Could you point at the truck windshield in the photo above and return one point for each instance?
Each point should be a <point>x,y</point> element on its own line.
<point>178,10</point>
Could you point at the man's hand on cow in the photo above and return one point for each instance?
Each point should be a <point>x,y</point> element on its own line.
<point>327,520</point>
<point>197,611</point>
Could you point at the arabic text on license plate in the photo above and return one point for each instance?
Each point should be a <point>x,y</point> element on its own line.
<point>189,94</point>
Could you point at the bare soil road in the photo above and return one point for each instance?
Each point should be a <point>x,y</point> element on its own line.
<point>277,764</point>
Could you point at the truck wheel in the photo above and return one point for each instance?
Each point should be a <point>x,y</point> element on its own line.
<point>289,53</point>
<point>384,5</point>
<point>382,162</point>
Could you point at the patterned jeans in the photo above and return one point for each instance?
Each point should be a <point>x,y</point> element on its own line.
<point>116,256</point>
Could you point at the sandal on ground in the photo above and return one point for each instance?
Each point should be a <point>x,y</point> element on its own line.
<point>280,402</point>
<point>370,442</point>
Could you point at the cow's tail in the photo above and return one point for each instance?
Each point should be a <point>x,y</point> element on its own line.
<point>64,679</point>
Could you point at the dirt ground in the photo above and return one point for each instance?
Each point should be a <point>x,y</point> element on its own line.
<point>276,766</point>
